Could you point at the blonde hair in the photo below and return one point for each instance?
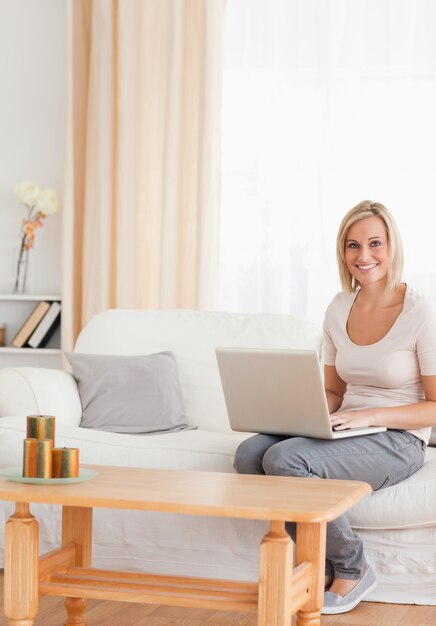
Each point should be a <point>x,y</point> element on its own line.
<point>362,211</point>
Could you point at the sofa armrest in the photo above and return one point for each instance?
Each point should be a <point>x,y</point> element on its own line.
<point>39,391</point>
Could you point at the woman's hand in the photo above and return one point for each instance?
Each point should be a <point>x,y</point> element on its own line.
<point>352,419</point>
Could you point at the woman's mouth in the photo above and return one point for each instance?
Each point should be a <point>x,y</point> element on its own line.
<point>367,267</point>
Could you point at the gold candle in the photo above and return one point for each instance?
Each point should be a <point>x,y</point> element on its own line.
<point>37,458</point>
<point>41,427</point>
<point>65,462</point>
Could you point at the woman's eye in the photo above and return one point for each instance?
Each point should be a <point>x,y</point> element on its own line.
<point>352,244</point>
<point>375,244</point>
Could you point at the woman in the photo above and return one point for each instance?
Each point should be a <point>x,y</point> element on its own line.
<point>380,370</point>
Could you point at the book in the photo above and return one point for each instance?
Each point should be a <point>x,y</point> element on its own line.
<point>46,327</point>
<point>30,324</point>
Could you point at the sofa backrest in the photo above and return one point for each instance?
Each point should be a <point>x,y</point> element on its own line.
<point>193,336</point>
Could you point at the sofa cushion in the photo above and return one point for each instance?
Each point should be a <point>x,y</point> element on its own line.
<point>187,449</point>
<point>129,394</point>
<point>409,504</point>
<point>193,336</point>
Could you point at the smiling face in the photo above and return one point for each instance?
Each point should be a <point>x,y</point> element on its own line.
<point>367,250</point>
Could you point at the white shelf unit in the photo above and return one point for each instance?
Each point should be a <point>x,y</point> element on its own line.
<point>11,350</point>
<point>14,310</point>
<point>25,297</point>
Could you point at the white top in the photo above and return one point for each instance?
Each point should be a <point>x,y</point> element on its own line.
<point>388,372</point>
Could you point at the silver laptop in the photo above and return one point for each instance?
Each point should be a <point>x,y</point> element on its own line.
<point>278,392</point>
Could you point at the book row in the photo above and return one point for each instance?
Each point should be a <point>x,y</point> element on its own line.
<point>39,326</point>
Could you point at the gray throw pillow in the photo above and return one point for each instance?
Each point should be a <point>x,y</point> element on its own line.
<point>129,394</point>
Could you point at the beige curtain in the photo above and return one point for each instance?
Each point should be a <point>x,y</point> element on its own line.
<point>142,167</point>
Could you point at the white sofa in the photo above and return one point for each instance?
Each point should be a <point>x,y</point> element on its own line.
<point>398,524</point>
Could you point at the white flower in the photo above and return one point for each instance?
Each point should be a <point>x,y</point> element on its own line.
<point>47,202</point>
<point>26,193</point>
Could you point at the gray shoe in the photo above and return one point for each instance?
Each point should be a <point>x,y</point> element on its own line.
<point>334,604</point>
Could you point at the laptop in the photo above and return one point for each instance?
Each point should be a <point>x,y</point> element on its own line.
<point>278,392</point>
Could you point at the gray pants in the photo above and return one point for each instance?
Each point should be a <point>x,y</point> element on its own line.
<point>382,460</point>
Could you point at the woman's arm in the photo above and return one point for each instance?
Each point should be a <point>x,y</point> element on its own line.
<point>407,417</point>
<point>334,387</point>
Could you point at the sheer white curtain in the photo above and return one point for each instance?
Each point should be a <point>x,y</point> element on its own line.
<point>325,103</point>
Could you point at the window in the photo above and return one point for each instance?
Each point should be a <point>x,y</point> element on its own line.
<point>324,105</point>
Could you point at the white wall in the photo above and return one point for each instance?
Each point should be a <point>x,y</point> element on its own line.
<point>33,46</point>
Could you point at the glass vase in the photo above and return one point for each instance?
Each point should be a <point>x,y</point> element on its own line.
<point>21,267</point>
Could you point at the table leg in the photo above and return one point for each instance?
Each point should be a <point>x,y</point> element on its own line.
<point>75,610</point>
<point>311,547</point>
<point>274,604</point>
<point>77,528</point>
<point>21,567</point>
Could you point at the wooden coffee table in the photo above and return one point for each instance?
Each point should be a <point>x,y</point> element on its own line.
<point>67,571</point>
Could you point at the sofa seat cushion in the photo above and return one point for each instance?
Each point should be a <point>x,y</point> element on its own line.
<point>410,504</point>
<point>187,449</point>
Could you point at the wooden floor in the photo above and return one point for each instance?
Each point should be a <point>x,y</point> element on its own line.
<point>51,613</point>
